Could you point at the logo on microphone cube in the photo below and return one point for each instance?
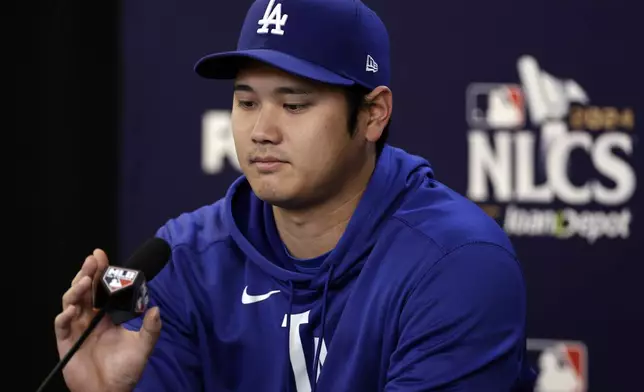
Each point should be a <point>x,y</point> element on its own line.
<point>493,106</point>
<point>118,278</point>
<point>143,299</point>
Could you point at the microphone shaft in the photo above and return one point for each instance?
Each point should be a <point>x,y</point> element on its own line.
<point>97,318</point>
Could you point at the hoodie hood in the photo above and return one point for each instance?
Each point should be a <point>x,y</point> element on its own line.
<point>251,224</point>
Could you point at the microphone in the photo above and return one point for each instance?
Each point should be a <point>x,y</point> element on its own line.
<point>122,292</point>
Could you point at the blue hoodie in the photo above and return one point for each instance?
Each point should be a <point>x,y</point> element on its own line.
<point>422,292</point>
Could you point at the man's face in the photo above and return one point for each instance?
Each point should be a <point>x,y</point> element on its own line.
<point>291,137</point>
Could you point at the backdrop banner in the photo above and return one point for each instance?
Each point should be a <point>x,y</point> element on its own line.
<point>533,111</point>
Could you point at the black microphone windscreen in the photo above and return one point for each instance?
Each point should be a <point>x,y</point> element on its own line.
<point>150,258</point>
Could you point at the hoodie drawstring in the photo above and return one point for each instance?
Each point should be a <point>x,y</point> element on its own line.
<point>287,372</point>
<point>318,348</point>
<point>323,321</point>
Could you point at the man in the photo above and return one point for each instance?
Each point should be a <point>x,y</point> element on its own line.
<point>336,263</point>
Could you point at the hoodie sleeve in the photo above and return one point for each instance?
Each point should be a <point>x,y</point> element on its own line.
<point>174,364</point>
<point>462,328</point>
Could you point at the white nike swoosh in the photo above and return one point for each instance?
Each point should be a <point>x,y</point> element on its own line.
<point>250,299</point>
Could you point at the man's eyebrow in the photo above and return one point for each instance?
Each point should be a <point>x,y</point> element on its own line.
<point>243,87</point>
<point>292,90</point>
<point>284,90</point>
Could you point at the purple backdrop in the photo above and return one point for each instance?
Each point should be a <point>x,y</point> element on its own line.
<point>532,109</point>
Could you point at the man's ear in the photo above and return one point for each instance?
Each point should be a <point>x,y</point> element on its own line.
<point>379,105</point>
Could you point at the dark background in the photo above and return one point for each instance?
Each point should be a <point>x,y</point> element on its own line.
<point>64,166</point>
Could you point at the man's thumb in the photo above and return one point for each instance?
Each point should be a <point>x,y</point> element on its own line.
<point>151,328</point>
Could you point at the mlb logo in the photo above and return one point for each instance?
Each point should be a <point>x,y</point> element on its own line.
<point>495,106</point>
<point>562,366</point>
<point>116,278</point>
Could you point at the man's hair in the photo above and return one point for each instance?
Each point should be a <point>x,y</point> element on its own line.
<point>356,101</point>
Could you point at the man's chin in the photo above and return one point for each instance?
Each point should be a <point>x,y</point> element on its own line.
<point>285,201</point>
<point>269,191</point>
<point>280,193</point>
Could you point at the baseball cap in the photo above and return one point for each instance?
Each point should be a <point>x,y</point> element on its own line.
<point>339,42</point>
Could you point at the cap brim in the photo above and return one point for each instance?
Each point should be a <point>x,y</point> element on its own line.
<point>225,65</point>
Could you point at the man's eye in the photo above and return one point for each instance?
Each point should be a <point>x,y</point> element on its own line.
<point>295,107</point>
<point>246,104</point>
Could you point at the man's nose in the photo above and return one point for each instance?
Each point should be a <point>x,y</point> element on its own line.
<point>266,129</point>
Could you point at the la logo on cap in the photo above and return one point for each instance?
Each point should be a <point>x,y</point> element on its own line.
<point>272,16</point>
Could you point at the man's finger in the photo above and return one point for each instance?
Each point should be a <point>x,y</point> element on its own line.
<point>79,275</point>
<point>102,262</point>
<point>63,322</point>
<point>75,294</point>
<point>88,269</point>
<point>151,329</point>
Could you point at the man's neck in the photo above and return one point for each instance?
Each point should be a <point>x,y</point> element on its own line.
<point>316,231</point>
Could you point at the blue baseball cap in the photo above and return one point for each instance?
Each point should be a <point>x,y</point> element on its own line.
<point>339,42</point>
